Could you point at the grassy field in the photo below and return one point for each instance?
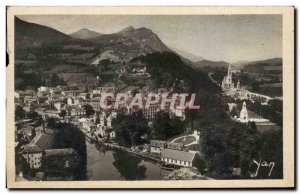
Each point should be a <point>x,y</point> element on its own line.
<point>188,140</point>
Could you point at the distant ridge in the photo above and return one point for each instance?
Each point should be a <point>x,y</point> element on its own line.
<point>34,35</point>
<point>187,55</point>
<point>127,29</point>
<point>85,33</point>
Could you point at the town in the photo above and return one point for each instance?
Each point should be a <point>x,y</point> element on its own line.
<point>68,104</point>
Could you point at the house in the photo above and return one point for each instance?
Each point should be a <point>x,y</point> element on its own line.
<point>112,134</point>
<point>71,101</point>
<point>40,111</point>
<point>139,71</point>
<point>29,93</point>
<point>104,131</point>
<point>59,105</point>
<point>43,89</point>
<point>72,93</point>
<point>179,112</point>
<point>178,158</point>
<point>19,94</point>
<point>149,113</point>
<point>28,107</point>
<point>52,113</point>
<point>157,146</point>
<point>108,121</point>
<point>54,91</point>
<point>79,101</point>
<point>30,99</point>
<point>77,111</point>
<point>89,126</point>
<point>100,90</point>
<point>95,103</point>
<point>175,146</point>
<point>83,95</point>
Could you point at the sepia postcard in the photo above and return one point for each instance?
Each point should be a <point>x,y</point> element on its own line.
<point>150,97</point>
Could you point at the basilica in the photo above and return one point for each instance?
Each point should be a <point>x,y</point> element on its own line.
<point>227,83</point>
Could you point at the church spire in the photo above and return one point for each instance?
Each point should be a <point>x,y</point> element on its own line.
<point>229,70</point>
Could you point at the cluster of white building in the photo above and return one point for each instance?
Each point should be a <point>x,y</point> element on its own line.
<point>236,91</point>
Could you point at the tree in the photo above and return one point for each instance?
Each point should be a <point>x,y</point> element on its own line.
<point>271,145</point>
<point>89,110</point>
<point>19,112</point>
<point>242,144</point>
<point>63,113</point>
<point>55,80</point>
<point>33,115</point>
<point>33,132</point>
<point>86,89</point>
<point>51,122</point>
<point>256,87</point>
<point>165,127</point>
<point>130,128</point>
<point>233,112</point>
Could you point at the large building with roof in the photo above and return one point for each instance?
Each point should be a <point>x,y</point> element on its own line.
<point>178,157</point>
<point>40,147</point>
<point>33,151</point>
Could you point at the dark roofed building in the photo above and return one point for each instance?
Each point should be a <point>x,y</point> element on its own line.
<point>42,141</point>
<point>156,146</point>
<point>175,146</point>
<point>33,151</point>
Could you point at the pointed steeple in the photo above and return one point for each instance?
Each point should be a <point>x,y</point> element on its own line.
<point>244,113</point>
<point>238,84</point>
<point>229,70</point>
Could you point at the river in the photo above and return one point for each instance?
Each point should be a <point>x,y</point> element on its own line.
<point>119,165</point>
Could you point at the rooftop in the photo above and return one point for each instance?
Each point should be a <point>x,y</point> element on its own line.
<point>177,155</point>
<point>40,142</point>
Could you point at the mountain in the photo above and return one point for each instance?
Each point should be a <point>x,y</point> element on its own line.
<point>241,64</point>
<point>211,64</point>
<point>130,43</point>
<point>189,56</point>
<point>273,65</point>
<point>270,62</point>
<point>126,30</point>
<point>85,33</point>
<point>34,35</point>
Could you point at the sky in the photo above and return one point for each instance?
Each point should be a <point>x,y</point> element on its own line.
<point>228,38</point>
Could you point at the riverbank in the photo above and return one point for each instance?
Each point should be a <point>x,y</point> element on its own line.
<point>114,164</point>
<point>156,160</point>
